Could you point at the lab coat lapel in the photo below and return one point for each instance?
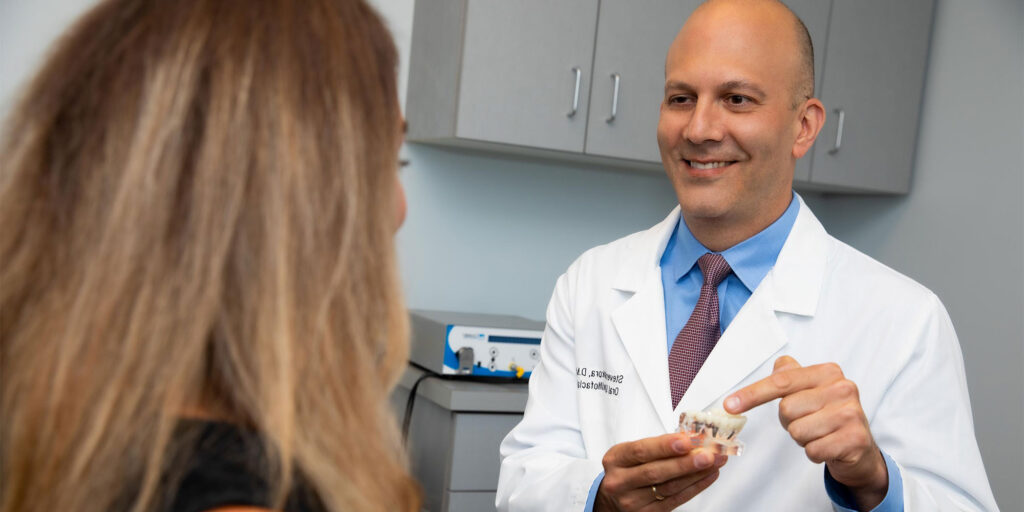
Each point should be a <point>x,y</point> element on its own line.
<point>640,321</point>
<point>755,334</point>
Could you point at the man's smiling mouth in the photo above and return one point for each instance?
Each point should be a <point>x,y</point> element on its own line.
<point>708,165</point>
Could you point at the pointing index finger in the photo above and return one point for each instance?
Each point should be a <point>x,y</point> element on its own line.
<point>785,363</point>
<point>786,378</point>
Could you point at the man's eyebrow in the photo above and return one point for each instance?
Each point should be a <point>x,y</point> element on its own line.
<point>677,85</point>
<point>733,85</point>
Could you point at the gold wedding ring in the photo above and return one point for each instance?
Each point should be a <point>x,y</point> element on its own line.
<point>654,491</point>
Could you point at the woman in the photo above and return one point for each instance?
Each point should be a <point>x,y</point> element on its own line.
<point>197,207</point>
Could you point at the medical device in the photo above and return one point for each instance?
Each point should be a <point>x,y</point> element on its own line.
<point>475,344</point>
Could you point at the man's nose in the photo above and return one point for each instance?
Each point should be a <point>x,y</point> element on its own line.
<point>705,124</point>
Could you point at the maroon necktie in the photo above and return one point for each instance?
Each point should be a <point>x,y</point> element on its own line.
<point>698,337</point>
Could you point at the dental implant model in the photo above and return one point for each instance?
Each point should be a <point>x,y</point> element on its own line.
<point>717,429</point>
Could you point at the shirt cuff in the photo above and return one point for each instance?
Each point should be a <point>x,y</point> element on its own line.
<point>593,493</point>
<point>842,498</point>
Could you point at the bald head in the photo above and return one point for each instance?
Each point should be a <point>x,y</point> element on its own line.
<point>781,23</point>
<point>736,115</point>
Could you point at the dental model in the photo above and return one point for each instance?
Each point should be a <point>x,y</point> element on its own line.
<point>717,429</point>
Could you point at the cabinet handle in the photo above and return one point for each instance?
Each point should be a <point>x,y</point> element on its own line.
<point>576,91</point>
<point>839,131</point>
<point>615,98</point>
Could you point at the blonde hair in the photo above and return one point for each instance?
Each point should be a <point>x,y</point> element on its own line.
<point>196,211</point>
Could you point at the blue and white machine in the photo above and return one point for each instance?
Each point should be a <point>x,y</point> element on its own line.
<point>475,344</point>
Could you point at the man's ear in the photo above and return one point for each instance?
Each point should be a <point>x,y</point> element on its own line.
<point>811,119</point>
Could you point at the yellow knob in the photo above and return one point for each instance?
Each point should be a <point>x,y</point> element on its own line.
<point>518,369</point>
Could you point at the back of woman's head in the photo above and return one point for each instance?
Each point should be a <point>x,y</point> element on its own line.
<point>196,214</point>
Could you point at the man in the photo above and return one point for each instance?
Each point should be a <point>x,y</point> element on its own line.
<point>863,361</point>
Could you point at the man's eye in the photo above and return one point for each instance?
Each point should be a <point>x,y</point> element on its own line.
<point>678,100</point>
<point>736,99</point>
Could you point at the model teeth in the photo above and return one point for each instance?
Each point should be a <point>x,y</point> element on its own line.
<point>709,165</point>
<point>718,423</point>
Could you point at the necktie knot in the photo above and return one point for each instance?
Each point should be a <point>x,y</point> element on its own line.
<point>714,267</point>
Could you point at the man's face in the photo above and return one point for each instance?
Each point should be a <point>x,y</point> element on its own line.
<point>728,128</point>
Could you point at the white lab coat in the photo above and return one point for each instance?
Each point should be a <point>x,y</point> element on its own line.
<point>603,377</point>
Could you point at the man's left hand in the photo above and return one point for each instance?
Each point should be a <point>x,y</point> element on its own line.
<point>820,408</point>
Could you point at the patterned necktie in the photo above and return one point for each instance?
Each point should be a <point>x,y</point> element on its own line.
<point>698,337</point>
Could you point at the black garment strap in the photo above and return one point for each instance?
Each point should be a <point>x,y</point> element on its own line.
<point>227,467</point>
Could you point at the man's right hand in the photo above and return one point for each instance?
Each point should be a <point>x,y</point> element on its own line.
<point>638,473</point>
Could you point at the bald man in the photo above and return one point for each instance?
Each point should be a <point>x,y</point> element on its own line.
<point>850,375</point>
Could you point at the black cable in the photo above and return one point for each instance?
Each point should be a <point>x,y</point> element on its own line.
<point>407,419</point>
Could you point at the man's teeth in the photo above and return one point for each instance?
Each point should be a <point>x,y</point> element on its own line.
<point>709,165</point>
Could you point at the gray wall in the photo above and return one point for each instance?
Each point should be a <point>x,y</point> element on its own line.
<point>27,27</point>
<point>491,234</point>
<point>960,231</point>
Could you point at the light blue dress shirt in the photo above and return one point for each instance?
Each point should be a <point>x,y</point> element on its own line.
<point>750,260</point>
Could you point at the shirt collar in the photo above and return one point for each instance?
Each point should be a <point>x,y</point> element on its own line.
<point>750,259</point>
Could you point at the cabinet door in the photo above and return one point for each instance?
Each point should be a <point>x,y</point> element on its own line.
<point>474,453</point>
<point>519,72</point>
<point>873,82</point>
<point>632,42</point>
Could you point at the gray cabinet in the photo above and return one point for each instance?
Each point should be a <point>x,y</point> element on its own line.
<point>872,90</point>
<point>455,431</point>
<point>505,75</point>
<point>501,72</point>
